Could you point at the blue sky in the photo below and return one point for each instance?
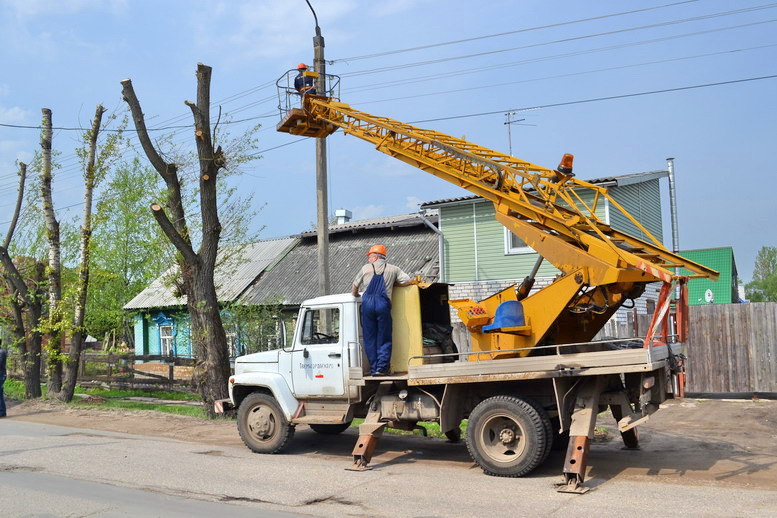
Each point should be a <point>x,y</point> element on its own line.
<point>69,55</point>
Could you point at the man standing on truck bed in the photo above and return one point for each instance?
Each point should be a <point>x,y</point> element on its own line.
<point>380,278</point>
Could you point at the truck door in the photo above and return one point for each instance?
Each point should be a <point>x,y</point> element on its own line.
<point>318,362</point>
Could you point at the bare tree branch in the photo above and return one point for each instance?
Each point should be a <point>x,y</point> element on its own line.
<point>12,274</point>
<point>168,171</point>
<point>19,201</point>
<point>167,227</point>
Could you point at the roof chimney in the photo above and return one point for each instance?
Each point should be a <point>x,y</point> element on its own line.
<point>343,216</point>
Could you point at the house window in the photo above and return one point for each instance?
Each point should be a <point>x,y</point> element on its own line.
<point>514,244</point>
<point>232,344</point>
<point>166,340</point>
<point>321,326</point>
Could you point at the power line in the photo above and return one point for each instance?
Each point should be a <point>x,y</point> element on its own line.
<point>559,76</point>
<point>383,85</point>
<point>608,98</point>
<point>565,40</point>
<point>131,130</point>
<point>528,29</point>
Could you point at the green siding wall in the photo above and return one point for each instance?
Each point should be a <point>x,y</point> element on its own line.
<point>724,290</point>
<point>643,201</point>
<point>472,227</point>
<point>474,241</point>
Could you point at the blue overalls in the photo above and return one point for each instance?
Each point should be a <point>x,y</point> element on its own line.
<point>376,324</point>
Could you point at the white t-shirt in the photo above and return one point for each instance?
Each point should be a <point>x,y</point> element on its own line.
<point>392,276</point>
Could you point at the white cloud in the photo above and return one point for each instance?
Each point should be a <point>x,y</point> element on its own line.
<point>395,6</point>
<point>33,8</point>
<point>412,203</point>
<point>266,28</point>
<point>13,115</point>
<point>368,212</point>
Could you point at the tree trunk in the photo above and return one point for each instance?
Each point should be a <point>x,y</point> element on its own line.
<point>77,340</point>
<point>26,302</point>
<point>196,269</point>
<point>55,266</point>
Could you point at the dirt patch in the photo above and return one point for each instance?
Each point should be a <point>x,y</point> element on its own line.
<point>220,432</point>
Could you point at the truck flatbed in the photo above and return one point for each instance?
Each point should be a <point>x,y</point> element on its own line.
<point>539,367</point>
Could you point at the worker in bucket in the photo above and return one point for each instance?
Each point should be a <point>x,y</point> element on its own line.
<point>302,83</point>
<point>379,277</point>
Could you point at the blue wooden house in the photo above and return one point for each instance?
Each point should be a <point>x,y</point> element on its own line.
<point>162,324</point>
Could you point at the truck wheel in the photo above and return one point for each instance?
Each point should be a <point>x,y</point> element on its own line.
<point>262,425</point>
<point>330,429</point>
<point>548,428</point>
<point>507,436</point>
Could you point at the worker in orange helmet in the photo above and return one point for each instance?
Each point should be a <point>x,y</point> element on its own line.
<point>380,278</point>
<point>302,83</point>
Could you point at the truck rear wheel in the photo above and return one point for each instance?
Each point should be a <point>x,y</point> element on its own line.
<point>330,429</point>
<point>262,425</point>
<point>507,436</point>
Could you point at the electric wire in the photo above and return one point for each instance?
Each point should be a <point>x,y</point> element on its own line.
<point>597,99</point>
<point>554,42</point>
<point>496,35</point>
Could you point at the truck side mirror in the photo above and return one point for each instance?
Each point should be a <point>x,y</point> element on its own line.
<point>282,339</point>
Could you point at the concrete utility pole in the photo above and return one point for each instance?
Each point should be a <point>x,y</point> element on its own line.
<point>322,223</point>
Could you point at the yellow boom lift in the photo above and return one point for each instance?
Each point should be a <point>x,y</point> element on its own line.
<point>549,209</point>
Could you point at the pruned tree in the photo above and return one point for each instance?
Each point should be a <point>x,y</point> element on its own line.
<point>196,267</point>
<point>53,325</point>
<point>78,333</point>
<point>24,283</point>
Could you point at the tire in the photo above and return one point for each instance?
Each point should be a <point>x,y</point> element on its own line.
<point>330,429</point>
<point>548,425</point>
<point>262,425</point>
<point>507,436</point>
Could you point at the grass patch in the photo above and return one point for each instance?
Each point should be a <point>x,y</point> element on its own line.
<point>14,389</point>
<point>119,404</point>
<point>432,429</point>
<point>159,394</point>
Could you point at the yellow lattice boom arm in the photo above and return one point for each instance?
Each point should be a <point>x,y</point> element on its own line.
<point>553,212</point>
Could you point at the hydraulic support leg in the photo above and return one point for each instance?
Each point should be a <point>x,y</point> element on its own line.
<point>581,432</point>
<point>620,408</point>
<point>369,432</point>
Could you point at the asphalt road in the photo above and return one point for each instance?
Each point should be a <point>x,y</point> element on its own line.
<point>49,470</point>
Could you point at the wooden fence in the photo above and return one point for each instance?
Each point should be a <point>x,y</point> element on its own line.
<point>732,348</point>
<point>155,369</point>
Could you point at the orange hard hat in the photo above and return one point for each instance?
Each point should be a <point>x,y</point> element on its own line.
<point>377,249</point>
<point>301,66</point>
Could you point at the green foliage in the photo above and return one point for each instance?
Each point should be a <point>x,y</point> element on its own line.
<point>256,327</point>
<point>127,250</point>
<point>763,287</point>
<point>15,389</point>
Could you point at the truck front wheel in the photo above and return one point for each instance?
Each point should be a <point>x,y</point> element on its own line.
<point>507,436</point>
<point>262,425</point>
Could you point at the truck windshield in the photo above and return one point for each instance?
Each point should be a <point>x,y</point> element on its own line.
<point>321,326</point>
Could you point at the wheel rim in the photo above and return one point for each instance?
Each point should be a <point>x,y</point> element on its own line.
<point>502,438</point>
<point>261,422</point>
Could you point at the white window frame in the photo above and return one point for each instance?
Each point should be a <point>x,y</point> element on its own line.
<point>231,337</point>
<point>166,340</point>
<point>513,250</point>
